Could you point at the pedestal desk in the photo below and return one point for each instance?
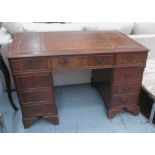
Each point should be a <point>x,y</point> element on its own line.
<point>117,63</point>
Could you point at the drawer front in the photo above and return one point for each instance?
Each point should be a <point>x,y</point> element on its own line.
<point>36,96</point>
<point>124,101</point>
<point>34,80</point>
<point>130,59</point>
<point>29,64</point>
<point>131,73</point>
<point>81,61</point>
<point>124,88</point>
<point>38,109</point>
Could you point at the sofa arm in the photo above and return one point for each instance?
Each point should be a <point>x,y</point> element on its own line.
<point>5,36</point>
<point>148,76</point>
<point>147,40</point>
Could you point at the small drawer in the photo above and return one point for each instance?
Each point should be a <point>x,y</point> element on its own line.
<point>33,80</point>
<point>38,109</point>
<point>130,73</point>
<point>124,101</point>
<point>81,62</point>
<point>29,64</point>
<point>29,97</point>
<point>126,88</point>
<point>131,59</point>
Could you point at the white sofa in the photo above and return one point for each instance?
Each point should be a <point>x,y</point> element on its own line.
<point>141,32</point>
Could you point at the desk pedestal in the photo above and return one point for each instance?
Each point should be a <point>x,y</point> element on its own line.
<point>119,88</point>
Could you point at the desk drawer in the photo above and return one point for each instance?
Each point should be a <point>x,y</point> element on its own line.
<point>38,109</point>
<point>124,101</point>
<point>126,88</point>
<point>81,61</point>
<point>29,64</point>
<point>131,59</point>
<point>130,73</point>
<point>36,96</point>
<point>33,80</point>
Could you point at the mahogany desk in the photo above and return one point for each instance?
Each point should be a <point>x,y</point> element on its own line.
<point>117,64</point>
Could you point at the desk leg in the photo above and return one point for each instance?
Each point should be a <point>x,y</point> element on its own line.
<point>6,74</point>
<point>112,112</point>
<point>52,118</point>
<point>28,121</point>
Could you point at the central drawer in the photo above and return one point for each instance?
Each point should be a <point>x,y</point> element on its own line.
<point>81,62</point>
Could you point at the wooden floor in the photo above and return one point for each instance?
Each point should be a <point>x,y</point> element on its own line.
<point>80,109</point>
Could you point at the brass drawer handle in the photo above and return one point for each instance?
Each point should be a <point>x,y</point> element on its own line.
<point>130,58</point>
<point>102,60</point>
<point>32,82</point>
<point>124,100</point>
<point>30,64</point>
<point>39,109</point>
<point>33,97</point>
<point>64,62</point>
<point>126,89</point>
<point>128,75</point>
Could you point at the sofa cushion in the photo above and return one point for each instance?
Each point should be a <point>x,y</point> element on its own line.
<point>13,27</point>
<point>124,27</point>
<point>44,27</point>
<point>5,37</point>
<point>144,28</point>
<point>149,76</point>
